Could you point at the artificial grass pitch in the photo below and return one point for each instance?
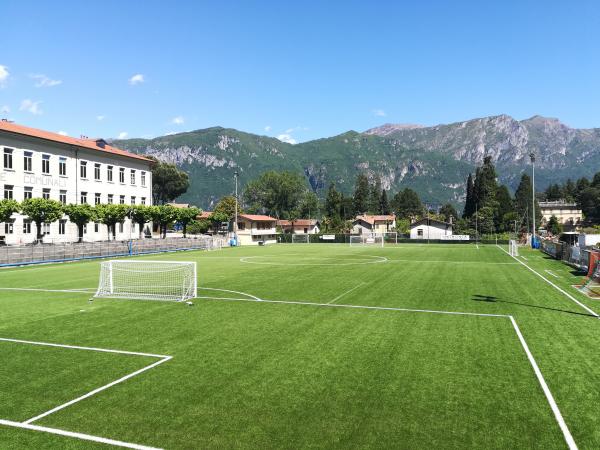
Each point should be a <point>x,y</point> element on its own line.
<point>251,374</point>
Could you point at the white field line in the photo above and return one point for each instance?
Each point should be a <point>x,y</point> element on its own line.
<point>549,272</point>
<point>79,291</point>
<point>27,424</point>
<point>524,258</point>
<point>454,262</point>
<point>227,290</point>
<point>359,262</point>
<point>71,434</point>
<point>569,296</point>
<point>549,397</point>
<point>347,292</point>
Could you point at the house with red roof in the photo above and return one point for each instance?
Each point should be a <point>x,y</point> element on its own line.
<point>300,226</point>
<point>374,224</point>
<point>253,229</point>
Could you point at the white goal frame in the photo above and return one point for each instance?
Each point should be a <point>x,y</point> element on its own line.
<point>300,238</point>
<point>148,280</point>
<point>390,237</point>
<point>513,248</point>
<point>367,239</point>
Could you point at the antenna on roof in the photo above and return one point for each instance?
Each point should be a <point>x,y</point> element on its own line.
<point>82,136</point>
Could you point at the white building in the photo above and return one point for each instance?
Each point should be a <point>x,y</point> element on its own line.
<point>300,226</point>
<point>430,229</point>
<point>37,163</point>
<point>567,214</point>
<point>378,224</point>
<point>253,229</point>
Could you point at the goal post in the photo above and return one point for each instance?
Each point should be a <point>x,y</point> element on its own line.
<point>300,239</point>
<point>367,239</point>
<point>513,248</point>
<point>147,280</point>
<point>390,237</point>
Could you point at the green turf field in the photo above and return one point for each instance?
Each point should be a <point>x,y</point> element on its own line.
<point>349,349</point>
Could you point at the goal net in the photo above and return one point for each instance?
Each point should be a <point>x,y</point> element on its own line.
<point>366,239</point>
<point>147,280</point>
<point>592,286</point>
<point>390,237</point>
<point>513,248</point>
<point>300,239</point>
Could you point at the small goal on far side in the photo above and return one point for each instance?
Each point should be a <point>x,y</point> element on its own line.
<point>147,280</point>
<point>366,239</point>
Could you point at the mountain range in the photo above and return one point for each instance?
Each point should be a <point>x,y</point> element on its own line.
<point>433,160</point>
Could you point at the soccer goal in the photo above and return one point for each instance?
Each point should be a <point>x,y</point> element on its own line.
<point>147,280</point>
<point>513,248</point>
<point>366,239</point>
<point>390,237</point>
<point>300,239</point>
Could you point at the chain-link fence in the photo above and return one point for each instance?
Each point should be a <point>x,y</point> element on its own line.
<point>39,253</point>
<point>393,238</point>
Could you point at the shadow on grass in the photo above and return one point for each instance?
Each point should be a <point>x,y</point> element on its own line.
<point>492,299</point>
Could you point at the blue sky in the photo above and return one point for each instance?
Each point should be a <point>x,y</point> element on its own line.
<point>301,69</point>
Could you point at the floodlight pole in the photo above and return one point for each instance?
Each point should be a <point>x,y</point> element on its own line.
<point>235,223</point>
<point>532,156</point>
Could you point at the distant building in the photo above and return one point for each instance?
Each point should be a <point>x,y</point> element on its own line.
<point>430,229</point>
<point>568,214</point>
<point>367,224</point>
<point>300,226</point>
<point>253,229</point>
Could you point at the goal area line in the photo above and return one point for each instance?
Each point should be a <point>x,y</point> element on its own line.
<point>28,424</point>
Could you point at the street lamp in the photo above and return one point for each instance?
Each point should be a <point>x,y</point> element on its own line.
<point>235,223</point>
<point>532,156</point>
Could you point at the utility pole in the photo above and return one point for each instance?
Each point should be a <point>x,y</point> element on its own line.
<point>235,223</point>
<point>476,218</point>
<point>532,156</point>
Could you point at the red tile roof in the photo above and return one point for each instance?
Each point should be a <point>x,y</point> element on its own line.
<point>257,217</point>
<point>373,219</point>
<point>90,144</point>
<point>297,223</point>
<point>204,215</point>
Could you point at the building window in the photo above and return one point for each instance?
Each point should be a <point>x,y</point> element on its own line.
<point>26,226</point>
<point>122,199</point>
<point>46,164</point>
<point>27,193</point>
<point>27,161</point>
<point>420,232</point>
<point>97,199</point>
<point>8,191</point>
<point>8,228</point>
<point>132,176</point>
<point>97,172</point>
<point>45,228</point>
<point>46,193</point>
<point>109,172</point>
<point>62,197</point>
<point>96,227</point>
<point>122,175</point>
<point>85,228</point>
<point>8,158</point>
<point>143,176</point>
<point>110,199</point>
<point>62,166</point>
<point>83,199</point>
<point>62,226</point>
<point>133,199</point>
<point>241,225</point>
<point>83,169</point>
<point>143,200</point>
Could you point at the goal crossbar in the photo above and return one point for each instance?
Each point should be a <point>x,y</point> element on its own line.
<point>147,280</point>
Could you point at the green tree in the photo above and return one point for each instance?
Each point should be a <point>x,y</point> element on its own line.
<point>589,201</point>
<point>582,184</point>
<point>448,211</point>
<point>185,215</point>
<point>569,191</point>
<point>168,182</point>
<point>553,192</point>
<point>200,226</point>
<point>276,193</point>
<point>485,185</point>
<point>469,209</point>
<point>554,226</point>
<point>110,215</point>
<point>523,200</point>
<point>384,204</point>
<point>483,220</point>
<point>347,208</point>
<point>407,204</point>
<point>308,206</point>
<point>374,206</point>
<point>140,214</point>
<point>41,210</point>
<point>80,215</point>
<point>162,216</point>
<point>504,206</point>
<point>333,203</point>
<point>360,200</point>
<point>8,207</point>
<point>226,208</point>
<point>403,226</point>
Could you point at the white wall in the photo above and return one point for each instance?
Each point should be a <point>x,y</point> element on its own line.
<point>71,184</point>
<point>429,232</point>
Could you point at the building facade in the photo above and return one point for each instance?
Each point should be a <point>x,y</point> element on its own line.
<point>253,229</point>
<point>367,224</point>
<point>37,163</point>
<point>568,214</point>
<point>430,229</point>
<point>300,226</point>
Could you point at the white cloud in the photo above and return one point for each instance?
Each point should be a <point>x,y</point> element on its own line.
<point>63,133</point>
<point>100,118</point>
<point>43,81</point>
<point>5,109</point>
<point>287,138</point>
<point>136,79</point>
<point>170,133</point>
<point>268,128</point>
<point>179,120</point>
<point>31,107</point>
<point>122,135</point>
<point>379,112</point>
<point>3,75</point>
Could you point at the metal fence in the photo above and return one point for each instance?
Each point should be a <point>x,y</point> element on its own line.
<point>44,253</point>
<point>578,257</point>
<point>389,238</point>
